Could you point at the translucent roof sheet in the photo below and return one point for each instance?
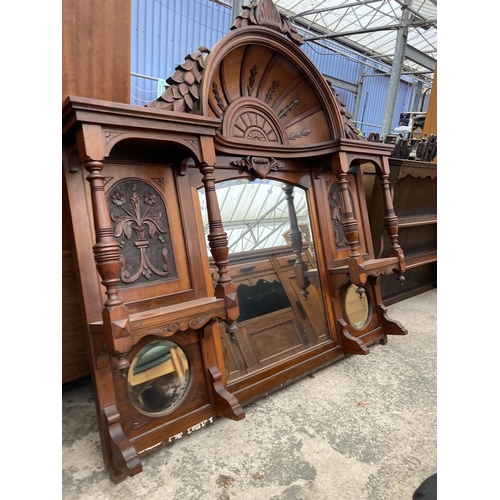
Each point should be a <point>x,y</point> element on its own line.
<point>370,26</point>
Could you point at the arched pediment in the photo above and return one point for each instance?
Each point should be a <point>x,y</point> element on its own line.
<point>264,88</point>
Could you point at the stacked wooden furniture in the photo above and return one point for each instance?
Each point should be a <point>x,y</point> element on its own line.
<point>414,192</point>
<point>179,335</point>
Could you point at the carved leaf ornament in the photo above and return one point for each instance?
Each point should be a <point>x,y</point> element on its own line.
<point>140,224</point>
<point>337,214</point>
<point>182,92</point>
<point>265,13</point>
<point>259,166</point>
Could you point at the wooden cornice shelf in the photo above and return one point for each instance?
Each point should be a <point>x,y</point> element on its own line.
<point>417,220</point>
<point>206,304</point>
<point>402,168</point>
<point>419,259</point>
<point>178,313</point>
<point>369,265</point>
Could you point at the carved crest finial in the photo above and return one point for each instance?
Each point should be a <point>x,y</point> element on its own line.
<point>350,130</point>
<point>182,92</point>
<point>259,166</point>
<point>265,13</point>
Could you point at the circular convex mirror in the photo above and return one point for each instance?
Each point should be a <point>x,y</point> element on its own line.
<point>357,308</point>
<point>158,376</point>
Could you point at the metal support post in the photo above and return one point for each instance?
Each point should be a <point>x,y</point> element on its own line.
<point>396,68</point>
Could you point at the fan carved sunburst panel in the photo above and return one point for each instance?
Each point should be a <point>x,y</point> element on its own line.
<point>262,96</point>
<point>250,119</point>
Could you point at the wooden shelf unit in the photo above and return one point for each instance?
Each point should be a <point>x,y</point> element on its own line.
<point>414,193</point>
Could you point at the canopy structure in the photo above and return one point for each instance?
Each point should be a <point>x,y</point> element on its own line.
<point>370,27</point>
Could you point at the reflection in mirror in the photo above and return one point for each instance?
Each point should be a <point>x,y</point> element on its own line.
<point>255,213</point>
<point>158,376</point>
<point>357,308</point>
<point>270,251</point>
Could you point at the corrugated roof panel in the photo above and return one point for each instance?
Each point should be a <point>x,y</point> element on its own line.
<point>357,22</point>
<point>373,98</point>
<point>338,63</point>
<point>164,32</point>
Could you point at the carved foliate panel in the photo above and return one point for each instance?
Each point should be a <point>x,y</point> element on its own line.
<point>337,214</point>
<point>140,225</point>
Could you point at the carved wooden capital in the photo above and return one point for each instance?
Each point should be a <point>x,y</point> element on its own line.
<point>91,142</point>
<point>117,330</point>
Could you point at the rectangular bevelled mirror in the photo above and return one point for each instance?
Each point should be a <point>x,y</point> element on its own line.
<point>270,250</point>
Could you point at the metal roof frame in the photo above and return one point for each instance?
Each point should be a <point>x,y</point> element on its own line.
<point>370,27</point>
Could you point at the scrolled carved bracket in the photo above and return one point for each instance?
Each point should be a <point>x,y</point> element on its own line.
<point>351,344</point>
<point>126,461</point>
<point>258,165</point>
<point>226,404</point>
<point>391,326</point>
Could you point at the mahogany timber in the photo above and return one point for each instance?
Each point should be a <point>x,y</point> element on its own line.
<point>255,107</point>
<point>96,49</point>
<point>414,191</point>
<point>75,363</point>
<point>96,64</point>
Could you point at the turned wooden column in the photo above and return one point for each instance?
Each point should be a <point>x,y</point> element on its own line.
<point>351,234</point>
<point>355,262</point>
<point>390,218</point>
<point>218,242</point>
<point>217,237</point>
<point>107,258</point>
<point>295,235</point>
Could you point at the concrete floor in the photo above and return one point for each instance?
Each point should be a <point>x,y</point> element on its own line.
<point>362,428</point>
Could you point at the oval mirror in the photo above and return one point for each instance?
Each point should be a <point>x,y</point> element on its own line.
<point>357,308</point>
<point>158,376</point>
